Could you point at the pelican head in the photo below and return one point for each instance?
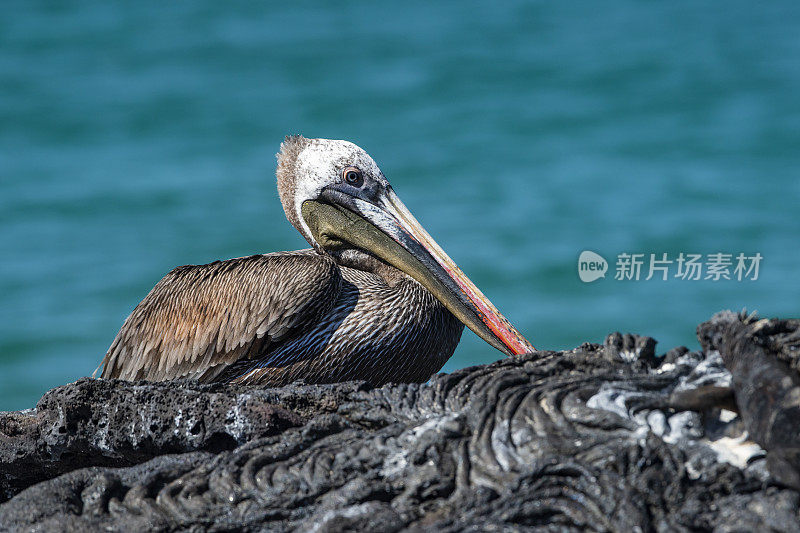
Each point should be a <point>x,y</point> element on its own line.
<point>336,196</point>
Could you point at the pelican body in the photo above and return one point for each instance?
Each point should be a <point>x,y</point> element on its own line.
<point>374,299</point>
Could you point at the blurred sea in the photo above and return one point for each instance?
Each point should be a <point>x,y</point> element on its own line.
<point>138,136</point>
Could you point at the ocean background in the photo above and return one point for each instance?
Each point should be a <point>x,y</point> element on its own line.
<point>138,136</point>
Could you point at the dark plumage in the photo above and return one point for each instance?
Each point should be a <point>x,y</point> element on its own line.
<point>332,313</point>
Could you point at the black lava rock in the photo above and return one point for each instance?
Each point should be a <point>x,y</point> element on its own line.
<point>604,437</point>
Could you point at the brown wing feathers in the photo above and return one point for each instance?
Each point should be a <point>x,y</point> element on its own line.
<point>201,318</point>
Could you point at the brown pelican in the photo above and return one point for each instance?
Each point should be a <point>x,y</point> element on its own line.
<point>374,299</point>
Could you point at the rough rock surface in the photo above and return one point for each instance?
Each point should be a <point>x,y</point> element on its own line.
<point>604,437</point>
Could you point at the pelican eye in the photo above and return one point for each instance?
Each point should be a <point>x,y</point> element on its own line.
<point>353,176</point>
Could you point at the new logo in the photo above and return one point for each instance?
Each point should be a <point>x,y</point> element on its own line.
<point>591,266</point>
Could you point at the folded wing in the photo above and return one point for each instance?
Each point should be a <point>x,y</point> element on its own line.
<point>199,319</point>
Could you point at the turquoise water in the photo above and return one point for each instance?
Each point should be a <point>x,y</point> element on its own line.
<point>141,136</point>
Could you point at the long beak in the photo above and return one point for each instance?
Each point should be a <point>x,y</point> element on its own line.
<point>404,243</point>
